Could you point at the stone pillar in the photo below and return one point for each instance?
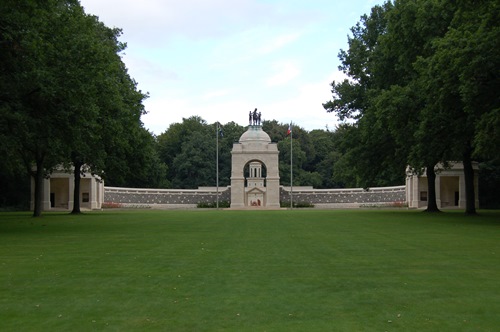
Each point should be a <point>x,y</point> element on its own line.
<point>437,185</point>
<point>237,192</point>
<point>273,192</point>
<point>100,193</point>
<point>416,191</point>
<point>409,191</point>
<point>461,191</point>
<point>46,195</point>
<point>93,194</point>
<point>71,192</point>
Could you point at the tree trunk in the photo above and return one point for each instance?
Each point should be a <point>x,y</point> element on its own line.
<point>431,185</point>
<point>470,197</point>
<point>76,191</point>
<point>38,175</point>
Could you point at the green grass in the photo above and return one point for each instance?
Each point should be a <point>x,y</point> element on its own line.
<point>300,270</point>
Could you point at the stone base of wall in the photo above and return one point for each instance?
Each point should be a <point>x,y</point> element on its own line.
<point>159,206</point>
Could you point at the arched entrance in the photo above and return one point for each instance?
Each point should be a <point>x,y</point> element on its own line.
<point>255,171</point>
<point>255,183</point>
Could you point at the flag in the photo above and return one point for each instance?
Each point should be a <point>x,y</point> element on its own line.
<point>289,131</point>
<point>218,130</point>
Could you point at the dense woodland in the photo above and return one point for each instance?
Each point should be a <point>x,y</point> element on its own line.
<point>422,88</point>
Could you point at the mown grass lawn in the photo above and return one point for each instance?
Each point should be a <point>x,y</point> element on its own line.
<point>300,270</point>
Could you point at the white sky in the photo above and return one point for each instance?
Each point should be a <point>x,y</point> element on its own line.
<point>220,59</point>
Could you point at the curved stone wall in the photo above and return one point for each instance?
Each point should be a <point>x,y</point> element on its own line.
<point>189,198</point>
<point>348,197</point>
<point>163,198</point>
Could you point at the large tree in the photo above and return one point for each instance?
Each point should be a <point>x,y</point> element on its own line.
<point>416,126</point>
<point>326,156</point>
<point>195,164</point>
<point>374,150</point>
<point>94,75</point>
<point>34,113</point>
<point>461,79</point>
<point>69,98</point>
<point>405,111</point>
<point>229,134</point>
<point>171,140</point>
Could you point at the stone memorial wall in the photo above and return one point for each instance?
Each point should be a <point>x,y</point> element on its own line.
<point>189,198</point>
<point>350,197</point>
<point>163,198</point>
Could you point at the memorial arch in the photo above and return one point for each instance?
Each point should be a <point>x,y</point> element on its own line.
<point>255,170</point>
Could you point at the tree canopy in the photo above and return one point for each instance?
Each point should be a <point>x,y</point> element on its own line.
<point>65,94</point>
<point>420,88</point>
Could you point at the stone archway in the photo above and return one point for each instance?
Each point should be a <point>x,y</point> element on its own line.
<point>255,147</point>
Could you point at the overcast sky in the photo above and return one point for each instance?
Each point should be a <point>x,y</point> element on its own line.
<point>220,59</point>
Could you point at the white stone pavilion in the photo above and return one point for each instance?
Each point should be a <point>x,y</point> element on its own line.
<point>255,171</point>
<point>58,191</point>
<point>450,186</point>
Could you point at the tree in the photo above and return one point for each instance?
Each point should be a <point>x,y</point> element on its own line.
<point>195,164</point>
<point>298,159</point>
<point>462,83</point>
<point>276,131</point>
<point>323,160</point>
<point>195,138</point>
<point>120,149</point>
<point>231,134</point>
<point>170,142</point>
<point>68,92</point>
<point>398,115</point>
<point>373,152</point>
<point>94,75</point>
<point>33,110</point>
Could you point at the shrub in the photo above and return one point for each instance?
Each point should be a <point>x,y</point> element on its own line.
<point>111,205</point>
<point>212,205</point>
<point>297,204</point>
<point>399,204</point>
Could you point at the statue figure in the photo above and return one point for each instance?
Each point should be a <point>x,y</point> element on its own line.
<point>254,118</point>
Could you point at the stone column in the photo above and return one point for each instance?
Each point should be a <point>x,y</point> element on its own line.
<point>93,193</point>
<point>416,191</point>
<point>71,192</point>
<point>46,195</point>
<point>437,185</point>
<point>461,191</point>
<point>408,191</point>
<point>100,193</point>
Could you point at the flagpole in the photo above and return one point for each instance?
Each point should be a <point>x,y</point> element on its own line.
<point>217,161</point>
<point>291,166</point>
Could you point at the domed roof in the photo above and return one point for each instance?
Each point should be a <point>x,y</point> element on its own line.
<point>255,134</point>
